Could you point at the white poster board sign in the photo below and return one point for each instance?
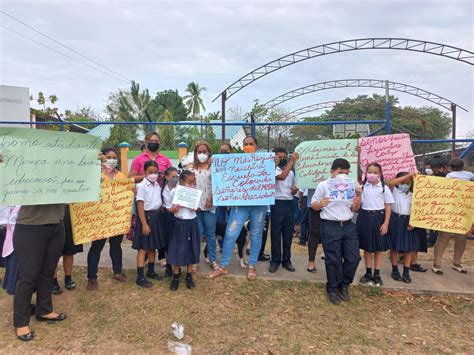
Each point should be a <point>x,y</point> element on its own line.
<point>187,197</point>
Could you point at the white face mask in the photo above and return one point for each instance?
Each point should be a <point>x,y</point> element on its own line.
<point>342,176</point>
<point>202,157</point>
<point>111,163</point>
<point>429,171</point>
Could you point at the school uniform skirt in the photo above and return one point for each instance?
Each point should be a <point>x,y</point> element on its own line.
<point>69,247</point>
<point>167,226</point>
<point>368,230</point>
<point>402,239</point>
<point>184,245</point>
<point>153,240</point>
<point>422,240</point>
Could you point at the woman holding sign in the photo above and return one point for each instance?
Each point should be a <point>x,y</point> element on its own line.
<point>206,214</point>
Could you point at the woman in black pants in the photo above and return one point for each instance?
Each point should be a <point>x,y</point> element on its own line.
<point>38,241</point>
<point>314,233</point>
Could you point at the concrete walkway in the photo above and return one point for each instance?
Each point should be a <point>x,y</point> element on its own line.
<point>451,282</point>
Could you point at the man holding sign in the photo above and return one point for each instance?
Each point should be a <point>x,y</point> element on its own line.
<point>246,182</point>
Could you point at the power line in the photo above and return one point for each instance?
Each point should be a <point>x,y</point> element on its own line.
<point>63,54</point>
<point>63,45</point>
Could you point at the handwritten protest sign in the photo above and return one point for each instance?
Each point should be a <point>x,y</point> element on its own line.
<point>316,158</point>
<point>187,197</point>
<point>44,167</point>
<point>243,179</point>
<point>341,189</point>
<point>108,217</point>
<point>442,204</point>
<point>393,152</point>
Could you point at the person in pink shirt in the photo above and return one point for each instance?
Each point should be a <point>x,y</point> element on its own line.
<point>151,152</point>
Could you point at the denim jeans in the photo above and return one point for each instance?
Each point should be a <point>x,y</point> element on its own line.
<point>341,250</point>
<point>237,218</point>
<point>207,225</point>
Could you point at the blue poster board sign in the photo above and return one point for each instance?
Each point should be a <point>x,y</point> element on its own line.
<point>243,179</point>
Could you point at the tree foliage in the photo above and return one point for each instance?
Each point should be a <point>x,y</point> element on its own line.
<point>193,100</point>
<point>167,135</point>
<point>168,100</point>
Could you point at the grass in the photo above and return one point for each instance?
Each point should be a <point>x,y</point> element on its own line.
<point>171,154</point>
<point>232,315</point>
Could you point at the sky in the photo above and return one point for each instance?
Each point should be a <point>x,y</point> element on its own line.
<point>165,45</point>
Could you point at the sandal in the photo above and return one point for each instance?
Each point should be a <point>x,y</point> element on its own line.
<point>251,273</point>
<point>459,268</point>
<point>436,270</point>
<point>219,271</point>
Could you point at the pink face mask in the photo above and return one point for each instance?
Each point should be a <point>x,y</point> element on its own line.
<point>373,178</point>
<point>152,178</point>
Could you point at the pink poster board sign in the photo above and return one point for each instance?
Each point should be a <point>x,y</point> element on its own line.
<point>393,152</point>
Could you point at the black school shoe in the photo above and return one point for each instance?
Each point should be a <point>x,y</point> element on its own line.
<point>406,278</point>
<point>417,268</point>
<point>289,267</point>
<point>378,280</point>
<point>396,276</point>
<point>333,297</point>
<point>366,279</point>
<point>144,283</point>
<point>344,294</point>
<point>57,290</point>
<point>154,276</point>
<point>70,285</point>
<point>189,281</point>
<point>264,257</point>
<point>174,283</point>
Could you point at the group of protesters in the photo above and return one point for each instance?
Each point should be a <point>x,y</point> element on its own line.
<point>376,220</point>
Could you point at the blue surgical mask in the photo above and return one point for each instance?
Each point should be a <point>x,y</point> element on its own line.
<point>404,188</point>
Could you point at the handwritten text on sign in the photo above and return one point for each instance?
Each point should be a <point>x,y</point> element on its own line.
<point>393,152</point>
<point>243,179</point>
<point>187,197</point>
<point>442,204</point>
<point>316,158</point>
<point>108,217</point>
<point>45,167</point>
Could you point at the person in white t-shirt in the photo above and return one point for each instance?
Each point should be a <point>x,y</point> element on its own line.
<point>457,165</point>
<point>282,212</point>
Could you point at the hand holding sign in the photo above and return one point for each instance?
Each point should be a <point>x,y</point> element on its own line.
<point>187,197</point>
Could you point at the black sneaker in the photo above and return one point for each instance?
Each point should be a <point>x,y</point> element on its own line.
<point>154,276</point>
<point>190,282</point>
<point>406,279</point>
<point>378,280</point>
<point>333,297</point>
<point>174,283</point>
<point>417,268</point>
<point>366,279</point>
<point>289,267</point>
<point>264,257</point>
<point>344,294</point>
<point>273,268</point>
<point>144,283</point>
<point>396,276</point>
<point>57,290</point>
<point>70,285</point>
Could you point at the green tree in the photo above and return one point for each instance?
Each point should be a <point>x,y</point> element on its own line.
<point>119,134</point>
<point>168,100</point>
<point>193,100</point>
<point>41,100</point>
<point>83,114</point>
<point>168,139</point>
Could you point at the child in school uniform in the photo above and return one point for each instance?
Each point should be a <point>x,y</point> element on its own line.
<point>148,230</point>
<point>167,217</point>
<point>373,222</point>
<point>338,235</point>
<point>404,238</point>
<point>185,243</point>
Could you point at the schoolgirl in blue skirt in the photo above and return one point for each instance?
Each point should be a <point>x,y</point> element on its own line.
<point>185,243</point>
<point>167,217</point>
<point>404,238</point>
<point>373,221</point>
<point>148,234</point>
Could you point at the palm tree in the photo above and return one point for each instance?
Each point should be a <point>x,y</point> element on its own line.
<point>193,101</point>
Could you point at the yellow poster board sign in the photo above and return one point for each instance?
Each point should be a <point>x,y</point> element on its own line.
<point>108,217</point>
<point>442,204</point>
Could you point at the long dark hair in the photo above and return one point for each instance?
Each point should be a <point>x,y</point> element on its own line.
<point>377,165</point>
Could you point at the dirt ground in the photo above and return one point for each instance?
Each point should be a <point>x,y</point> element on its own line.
<point>232,315</point>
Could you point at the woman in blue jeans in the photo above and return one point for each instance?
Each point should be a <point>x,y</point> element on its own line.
<point>206,213</point>
<point>237,218</point>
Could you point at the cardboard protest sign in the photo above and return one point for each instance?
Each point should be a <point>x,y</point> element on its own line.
<point>187,197</point>
<point>393,152</point>
<point>243,179</point>
<point>442,204</point>
<point>316,158</point>
<point>108,217</point>
<point>44,167</point>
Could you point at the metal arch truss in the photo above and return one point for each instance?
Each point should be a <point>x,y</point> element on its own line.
<point>404,44</point>
<point>372,83</point>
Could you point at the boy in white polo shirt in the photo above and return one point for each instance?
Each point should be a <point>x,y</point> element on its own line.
<point>282,213</point>
<point>338,235</point>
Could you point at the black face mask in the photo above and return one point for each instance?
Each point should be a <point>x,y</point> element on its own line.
<point>282,163</point>
<point>153,147</point>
